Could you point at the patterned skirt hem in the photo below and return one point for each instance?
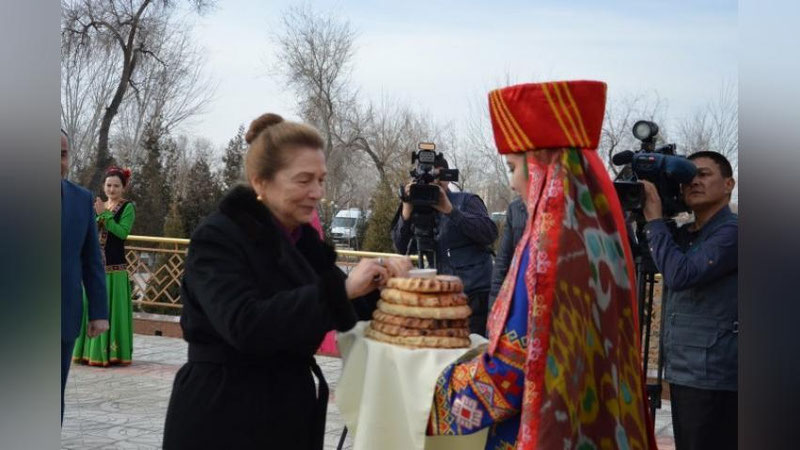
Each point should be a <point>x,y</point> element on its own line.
<point>109,363</point>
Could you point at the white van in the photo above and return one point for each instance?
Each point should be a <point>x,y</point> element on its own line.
<point>344,228</point>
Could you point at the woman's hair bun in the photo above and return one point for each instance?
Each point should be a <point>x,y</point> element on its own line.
<point>261,124</point>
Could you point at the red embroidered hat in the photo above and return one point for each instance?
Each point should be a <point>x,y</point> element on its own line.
<point>547,115</point>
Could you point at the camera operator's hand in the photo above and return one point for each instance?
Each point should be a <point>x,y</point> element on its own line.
<point>444,206</point>
<point>407,207</point>
<point>652,202</point>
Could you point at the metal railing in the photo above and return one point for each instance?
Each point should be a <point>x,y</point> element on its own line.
<point>156,264</point>
<point>155,268</point>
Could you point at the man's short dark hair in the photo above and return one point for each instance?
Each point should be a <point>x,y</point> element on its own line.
<point>725,167</point>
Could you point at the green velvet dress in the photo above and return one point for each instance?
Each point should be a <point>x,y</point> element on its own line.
<point>115,346</point>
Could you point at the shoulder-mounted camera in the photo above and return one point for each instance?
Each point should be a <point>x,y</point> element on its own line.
<point>661,166</point>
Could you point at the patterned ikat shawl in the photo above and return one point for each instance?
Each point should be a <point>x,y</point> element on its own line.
<point>563,366</point>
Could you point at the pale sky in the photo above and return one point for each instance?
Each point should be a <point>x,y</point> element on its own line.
<point>440,57</point>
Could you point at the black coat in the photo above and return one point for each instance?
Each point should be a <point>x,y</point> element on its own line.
<point>516,218</point>
<point>255,309</point>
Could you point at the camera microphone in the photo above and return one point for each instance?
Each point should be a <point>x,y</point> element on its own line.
<point>622,158</point>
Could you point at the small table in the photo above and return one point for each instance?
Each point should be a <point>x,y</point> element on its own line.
<point>385,393</point>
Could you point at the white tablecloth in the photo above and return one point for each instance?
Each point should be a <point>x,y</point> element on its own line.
<point>385,394</point>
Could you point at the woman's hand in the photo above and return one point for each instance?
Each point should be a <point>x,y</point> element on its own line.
<point>398,266</point>
<point>365,277</point>
<point>99,206</point>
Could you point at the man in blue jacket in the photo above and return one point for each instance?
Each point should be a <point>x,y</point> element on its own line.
<point>465,233</point>
<point>81,267</point>
<point>699,264</point>
<point>516,218</point>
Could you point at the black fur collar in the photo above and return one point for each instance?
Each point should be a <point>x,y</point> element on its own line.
<point>299,262</point>
<point>242,206</point>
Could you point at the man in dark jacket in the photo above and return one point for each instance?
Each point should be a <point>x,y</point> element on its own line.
<point>516,217</point>
<point>81,267</point>
<point>464,235</point>
<point>700,269</point>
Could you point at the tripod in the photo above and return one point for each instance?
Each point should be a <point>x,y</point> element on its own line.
<point>425,252</point>
<point>645,283</point>
<point>423,221</point>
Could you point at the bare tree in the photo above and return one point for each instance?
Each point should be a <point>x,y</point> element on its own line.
<point>173,88</point>
<point>621,114</point>
<point>130,28</point>
<point>87,84</point>
<point>315,57</point>
<point>492,173</point>
<point>715,126</point>
<point>386,133</point>
<point>463,157</point>
<point>316,52</point>
<point>353,135</point>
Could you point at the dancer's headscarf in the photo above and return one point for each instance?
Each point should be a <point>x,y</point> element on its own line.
<point>583,372</point>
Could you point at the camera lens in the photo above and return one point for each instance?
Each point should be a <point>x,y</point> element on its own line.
<point>644,130</point>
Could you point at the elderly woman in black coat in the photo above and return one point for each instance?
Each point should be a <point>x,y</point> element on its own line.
<point>260,291</point>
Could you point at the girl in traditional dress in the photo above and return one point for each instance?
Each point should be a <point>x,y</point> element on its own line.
<point>115,218</point>
<point>563,365</point>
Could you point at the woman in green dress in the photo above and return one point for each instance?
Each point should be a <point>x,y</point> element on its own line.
<point>114,221</point>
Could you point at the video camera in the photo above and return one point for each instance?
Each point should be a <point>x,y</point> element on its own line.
<point>423,194</point>
<point>658,165</point>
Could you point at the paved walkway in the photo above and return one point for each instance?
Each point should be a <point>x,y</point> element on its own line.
<point>124,407</point>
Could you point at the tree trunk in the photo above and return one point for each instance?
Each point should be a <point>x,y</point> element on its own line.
<point>129,57</point>
<point>379,165</point>
<point>103,158</point>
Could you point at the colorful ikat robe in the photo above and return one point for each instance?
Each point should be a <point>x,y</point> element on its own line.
<point>563,366</point>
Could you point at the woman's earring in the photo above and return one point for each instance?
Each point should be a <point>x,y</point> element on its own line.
<point>258,197</point>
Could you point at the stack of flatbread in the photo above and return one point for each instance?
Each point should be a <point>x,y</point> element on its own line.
<point>422,313</point>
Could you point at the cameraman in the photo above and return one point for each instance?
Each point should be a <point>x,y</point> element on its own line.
<point>699,264</point>
<point>464,233</point>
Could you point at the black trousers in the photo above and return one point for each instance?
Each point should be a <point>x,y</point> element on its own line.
<point>479,303</point>
<point>704,419</point>
<point>66,360</point>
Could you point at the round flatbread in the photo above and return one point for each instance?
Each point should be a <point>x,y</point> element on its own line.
<point>450,312</point>
<point>441,283</point>
<point>399,297</point>
<point>396,330</point>
<point>418,341</point>
<point>418,323</point>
